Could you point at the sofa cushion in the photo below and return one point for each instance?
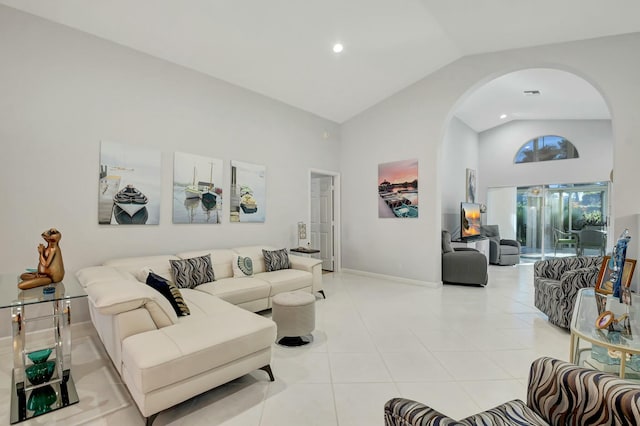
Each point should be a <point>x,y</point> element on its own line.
<point>158,264</point>
<point>114,297</point>
<point>242,266</point>
<point>237,291</point>
<point>275,260</point>
<point>170,292</point>
<point>99,274</point>
<point>286,280</point>
<point>220,260</point>
<point>190,273</point>
<point>173,354</point>
<point>511,413</point>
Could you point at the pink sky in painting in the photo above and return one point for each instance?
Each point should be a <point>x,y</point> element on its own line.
<point>398,171</point>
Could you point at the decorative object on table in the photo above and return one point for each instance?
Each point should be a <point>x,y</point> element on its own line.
<point>302,233</point>
<point>129,189</point>
<point>197,189</point>
<point>607,318</point>
<point>470,187</point>
<point>41,399</point>
<point>607,276</point>
<point>398,189</point>
<point>619,254</point>
<point>248,192</point>
<point>601,302</point>
<point>50,265</point>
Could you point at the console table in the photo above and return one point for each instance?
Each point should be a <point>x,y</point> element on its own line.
<point>480,244</point>
<point>583,327</point>
<point>28,399</point>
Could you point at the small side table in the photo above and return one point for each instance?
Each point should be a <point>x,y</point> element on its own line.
<point>30,400</point>
<point>304,250</point>
<point>583,327</point>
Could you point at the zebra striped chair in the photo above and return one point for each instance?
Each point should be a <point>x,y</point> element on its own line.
<point>559,393</point>
<point>556,283</point>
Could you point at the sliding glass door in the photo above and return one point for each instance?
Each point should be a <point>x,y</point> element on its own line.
<point>551,219</point>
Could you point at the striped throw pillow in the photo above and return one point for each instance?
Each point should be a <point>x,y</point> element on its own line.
<point>190,273</point>
<point>274,260</point>
<point>170,292</point>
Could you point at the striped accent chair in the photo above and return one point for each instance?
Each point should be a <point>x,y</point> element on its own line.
<point>559,393</point>
<point>556,283</point>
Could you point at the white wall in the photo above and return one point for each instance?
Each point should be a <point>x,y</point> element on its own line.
<point>498,147</point>
<point>413,122</point>
<point>459,153</point>
<point>501,210</point>
<point>63,91</point>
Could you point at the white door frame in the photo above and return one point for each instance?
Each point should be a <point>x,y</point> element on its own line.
<point>337,264</point>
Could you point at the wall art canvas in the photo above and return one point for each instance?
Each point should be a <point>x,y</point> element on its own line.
<point>398,189</point>
<point>129,185</point>
<point>197,189</point>
<point>470,187</point>
<point>248,192</point>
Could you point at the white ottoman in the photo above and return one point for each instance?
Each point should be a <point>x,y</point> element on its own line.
<point>295,314</point>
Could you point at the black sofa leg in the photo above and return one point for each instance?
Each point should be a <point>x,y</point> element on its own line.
<point>267,368</point>
<point>322,293</point>
<point>150,419</point>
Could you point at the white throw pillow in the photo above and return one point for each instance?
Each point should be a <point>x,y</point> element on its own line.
<point>242,266</point>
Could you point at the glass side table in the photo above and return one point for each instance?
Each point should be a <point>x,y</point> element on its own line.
<point>41,379</point>
<point>603,342</point>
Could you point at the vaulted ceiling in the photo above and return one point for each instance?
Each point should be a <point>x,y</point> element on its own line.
<point>283,48</point>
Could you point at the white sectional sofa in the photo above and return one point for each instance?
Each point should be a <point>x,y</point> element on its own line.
<point>165,359</point>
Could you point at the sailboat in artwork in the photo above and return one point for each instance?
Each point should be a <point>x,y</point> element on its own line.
<point>209,197</point>
<point>193,190</point>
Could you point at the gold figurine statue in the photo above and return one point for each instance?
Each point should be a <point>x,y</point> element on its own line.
<point>50,266</point>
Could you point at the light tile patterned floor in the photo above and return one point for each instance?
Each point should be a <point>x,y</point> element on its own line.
<point>459,349</point>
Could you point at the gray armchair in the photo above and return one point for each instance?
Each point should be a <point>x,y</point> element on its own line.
<point>462,265</point>
<point>502,251</point>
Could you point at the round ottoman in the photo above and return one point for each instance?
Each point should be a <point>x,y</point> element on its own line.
<point>295,314</point>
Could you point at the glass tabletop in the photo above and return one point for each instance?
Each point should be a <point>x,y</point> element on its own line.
<point>584,319</point>
<point>11,295</point>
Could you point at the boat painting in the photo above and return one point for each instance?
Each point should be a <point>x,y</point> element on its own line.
<point>130,200</point>
<point>248,189</point>
<point>398,189</point>
<point>204,194</point>
<point>129,185</point>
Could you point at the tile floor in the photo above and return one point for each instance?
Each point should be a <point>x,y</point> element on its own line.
<point>458,349</point>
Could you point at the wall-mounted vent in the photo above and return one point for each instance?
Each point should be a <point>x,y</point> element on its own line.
<point>531,93</point>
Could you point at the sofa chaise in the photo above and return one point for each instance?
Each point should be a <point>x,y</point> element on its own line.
<point>558,394</point>
<point>164,358</point>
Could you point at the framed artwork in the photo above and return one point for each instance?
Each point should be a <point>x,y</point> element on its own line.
<point>470,186</point>
<point>604,283</point>
<point>197,189</point>
<point>398,189</point>
<point>248,192</point>
<point>129,185</point>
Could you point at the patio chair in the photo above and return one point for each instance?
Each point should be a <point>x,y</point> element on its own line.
<point>561,239</point>
<point>592,238</point>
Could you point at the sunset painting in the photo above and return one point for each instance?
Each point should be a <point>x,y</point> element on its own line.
<point>398,189</point>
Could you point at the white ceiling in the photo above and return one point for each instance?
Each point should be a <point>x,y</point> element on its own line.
<point>282,48</point>
<point>562,96</point>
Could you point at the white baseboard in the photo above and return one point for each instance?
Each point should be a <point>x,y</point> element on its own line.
<point>428,284</point>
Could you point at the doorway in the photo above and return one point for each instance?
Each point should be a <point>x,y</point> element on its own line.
<point>324,217</point>
<point>549,217</point>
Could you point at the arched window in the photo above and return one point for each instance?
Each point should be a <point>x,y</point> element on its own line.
<point>546,148</point>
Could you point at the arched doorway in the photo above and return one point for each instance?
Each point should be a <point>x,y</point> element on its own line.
<point>492,122</point>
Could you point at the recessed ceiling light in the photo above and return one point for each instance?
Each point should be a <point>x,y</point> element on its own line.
<point>503,116</point>
<point>338,47</point>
